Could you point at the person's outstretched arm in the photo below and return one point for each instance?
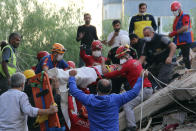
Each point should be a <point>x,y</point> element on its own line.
<point>131,94</point>
<point>78,94</point>
<point>32,111</point>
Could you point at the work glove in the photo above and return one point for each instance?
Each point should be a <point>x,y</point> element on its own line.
<point>172,33</point>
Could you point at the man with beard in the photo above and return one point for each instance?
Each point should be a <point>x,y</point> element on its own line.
<point>8,61</point>
<point>86,34</point>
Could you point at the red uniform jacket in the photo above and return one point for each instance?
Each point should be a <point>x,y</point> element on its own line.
<point>78,123</point>
<point>131,70</point>
<point>90,60</point>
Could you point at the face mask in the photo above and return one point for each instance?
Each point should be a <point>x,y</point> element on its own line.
<point>147,39</point>
<point>123,60</point>
<point>176,13</point>
<point>96,53</point>
<point>60,57</point>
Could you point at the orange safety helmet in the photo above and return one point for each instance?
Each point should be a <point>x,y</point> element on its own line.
<point>121,51</point>
<point>71,64</point>
<point>175,6</point>
<point>41,54</point>
<point>96,44</point>
<point>59,48</point>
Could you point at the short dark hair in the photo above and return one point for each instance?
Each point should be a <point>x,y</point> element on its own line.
<point>131,36</point>
<point>13,35</point>
<point>86,14</point>
<point>104,86</point>
<point>116,22</point>
<point>142,4</point>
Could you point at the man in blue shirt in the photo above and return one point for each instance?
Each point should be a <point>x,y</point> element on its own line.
<point>53,60</point>
<point>103,109</point>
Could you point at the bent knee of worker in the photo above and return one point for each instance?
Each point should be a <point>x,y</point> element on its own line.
<point>128,106</point>
<point>147,92</point>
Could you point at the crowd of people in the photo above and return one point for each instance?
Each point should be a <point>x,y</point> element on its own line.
<point>97,107</point>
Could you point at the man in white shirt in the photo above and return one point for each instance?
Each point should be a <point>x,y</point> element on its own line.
<point>15,106</point>
<point>113,39</point>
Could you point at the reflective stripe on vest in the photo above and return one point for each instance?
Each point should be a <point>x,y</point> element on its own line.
<point>11,62</point>
<point>185,37</point>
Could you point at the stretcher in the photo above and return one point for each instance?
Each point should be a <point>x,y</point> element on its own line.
<point>85,76</point>
<point>43,98</point>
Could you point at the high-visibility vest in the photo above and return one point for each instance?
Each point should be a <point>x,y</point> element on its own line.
<point>185,37</point>
<point>11,65</point>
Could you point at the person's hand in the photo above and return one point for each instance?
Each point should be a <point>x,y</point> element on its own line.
<point>81,35</point>
<point>172,34</point>
<point>115,34</point>
<point>168,60</point>
<point>53,108</point>
<point>104,42</point>
<point>145,73</point>
<point>72,73</point>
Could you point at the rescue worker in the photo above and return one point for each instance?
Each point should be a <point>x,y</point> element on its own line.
<point>131,69</point>
<point>141,20</point>
<point>53,60</point>
<point>40,55</point>
<point>92,60</point>
<point>86,33</point>
<point>118,81</point>
<point>158,53</point>
<point>96,57</point>
<point>8,61</point>
<point>114,41</point>
<point>182,32</point>
<point>103,109</point>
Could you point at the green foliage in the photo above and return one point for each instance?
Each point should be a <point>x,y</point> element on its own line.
<point>40,27</point>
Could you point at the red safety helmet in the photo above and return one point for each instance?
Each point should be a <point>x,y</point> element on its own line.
<point>71,64</point>
<point>121,51</point>
<point>175,6</point>
<point>41,54</point>
<point>96,44</point>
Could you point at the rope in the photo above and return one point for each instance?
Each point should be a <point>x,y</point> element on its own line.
<point>142,94</point>
<point>156,79</point>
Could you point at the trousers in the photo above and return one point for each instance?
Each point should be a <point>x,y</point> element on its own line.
<point>128,108</point>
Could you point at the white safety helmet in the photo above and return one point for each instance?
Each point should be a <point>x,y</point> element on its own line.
<point>124,40</point>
